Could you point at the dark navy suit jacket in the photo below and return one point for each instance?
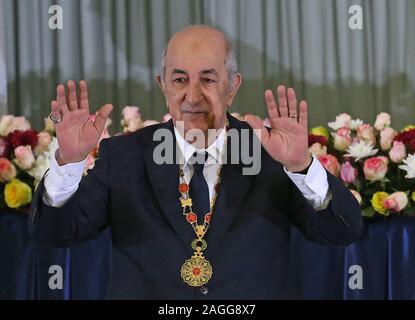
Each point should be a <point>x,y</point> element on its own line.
<point>248,240</point>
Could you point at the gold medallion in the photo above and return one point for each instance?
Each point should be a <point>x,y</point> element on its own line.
<point>196,271</point>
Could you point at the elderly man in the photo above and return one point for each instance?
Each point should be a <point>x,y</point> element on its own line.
<point>193,229</point>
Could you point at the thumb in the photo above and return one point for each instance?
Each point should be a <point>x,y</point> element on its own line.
<point>102,116</point>
<point>260,131</point>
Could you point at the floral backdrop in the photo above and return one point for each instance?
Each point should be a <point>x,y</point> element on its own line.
<point>376,162</point>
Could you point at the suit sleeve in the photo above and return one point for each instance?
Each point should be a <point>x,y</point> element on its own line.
<point>82,217</point>
<point>340,223</point>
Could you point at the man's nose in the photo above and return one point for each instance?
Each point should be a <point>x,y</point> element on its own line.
<point>194,93</point>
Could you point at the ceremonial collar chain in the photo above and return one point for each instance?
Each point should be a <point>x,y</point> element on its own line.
<point>197,270</point>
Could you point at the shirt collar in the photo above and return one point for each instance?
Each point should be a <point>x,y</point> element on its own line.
<point>214,150</point>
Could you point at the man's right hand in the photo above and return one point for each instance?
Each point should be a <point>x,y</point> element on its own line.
<point>77,134</point>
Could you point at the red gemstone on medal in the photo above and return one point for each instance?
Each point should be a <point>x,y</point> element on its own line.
<point>196,271</point>
<point>183,187</point>
<point>191,217</point>
<point>208,217</point>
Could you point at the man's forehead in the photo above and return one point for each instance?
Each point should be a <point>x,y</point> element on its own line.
<point>203,59</point>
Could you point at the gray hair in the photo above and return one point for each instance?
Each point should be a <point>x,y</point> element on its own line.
<point>231,65</point>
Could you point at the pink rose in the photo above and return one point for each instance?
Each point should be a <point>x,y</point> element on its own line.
<point>342,139</point>
<point>330,163</point>
<point>131,119</point>
<point>24,157</point>
<point>396,202</point>
<point>44,139</point>
<point>367,133</point>
<point>375,168</point>
<point>383,120</point>
<point>7,170</point>
<point>398,152</point>
<point>318,149</point>
<point>166,117</point>
<point>131,113</point>
<point>348,173</point>
<point>356,195</point>
<point>386,138</point>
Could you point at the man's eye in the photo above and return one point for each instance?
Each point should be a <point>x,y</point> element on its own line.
<point>179,80</point>
<point>208,80</point>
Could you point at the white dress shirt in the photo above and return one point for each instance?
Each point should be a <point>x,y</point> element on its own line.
<point>61,182</point>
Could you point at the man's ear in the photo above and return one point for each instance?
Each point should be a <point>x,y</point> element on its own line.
<point>236,83</point>
<point>162,86</point>
<point>160,83</point>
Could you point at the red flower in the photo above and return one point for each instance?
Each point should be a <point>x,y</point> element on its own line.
<point>22,138</point>
<point>4,148</point>
<point>320,139</point>
<point>407,137</point>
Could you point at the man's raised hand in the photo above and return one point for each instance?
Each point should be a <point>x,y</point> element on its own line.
<point>77,134</point>
<point>287,141</point>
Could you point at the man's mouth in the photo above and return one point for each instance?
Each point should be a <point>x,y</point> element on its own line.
<point>194,112</point>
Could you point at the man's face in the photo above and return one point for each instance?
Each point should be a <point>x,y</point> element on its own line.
<point>196,83</point>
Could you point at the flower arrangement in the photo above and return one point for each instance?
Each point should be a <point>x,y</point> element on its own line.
<point>376,163</point>
<point>24,158</point>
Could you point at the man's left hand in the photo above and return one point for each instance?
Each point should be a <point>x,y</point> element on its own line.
<point>287,141</point>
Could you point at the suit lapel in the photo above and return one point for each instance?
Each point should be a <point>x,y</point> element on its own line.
<point>164,180</point>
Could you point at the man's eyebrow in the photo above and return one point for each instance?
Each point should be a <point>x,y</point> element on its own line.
<point>175,71</point>
<point>210,71</point>
<point>207,71</point>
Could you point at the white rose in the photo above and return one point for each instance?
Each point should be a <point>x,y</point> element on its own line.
<point>342,120</point>
<point>20,123</point>
<point>383,120</point>
<point>6,124</point>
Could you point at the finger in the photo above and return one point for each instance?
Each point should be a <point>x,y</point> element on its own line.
<point>102,117</point>
<point>260,131</point>
<point>272,105</point>
<point>54,110</point>
<point>61,99</point>
<point>282,101</point>
<point>72,97</point>
<point>304,114</point>
<point>83,95</point>
<point>292,102</point>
